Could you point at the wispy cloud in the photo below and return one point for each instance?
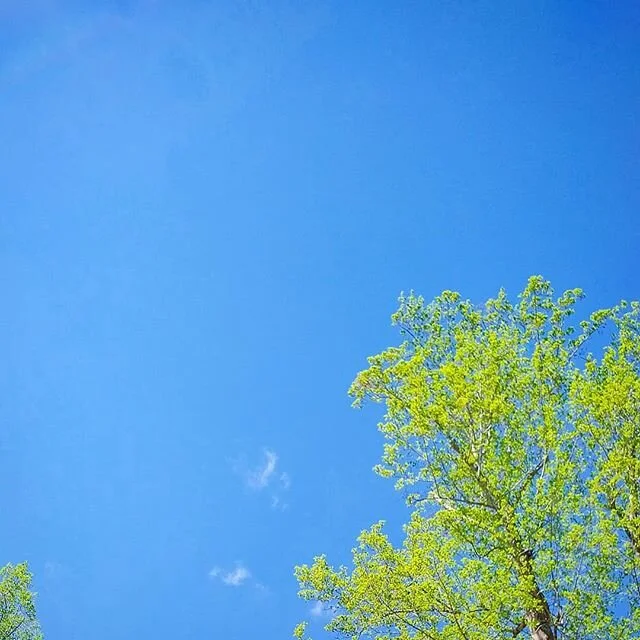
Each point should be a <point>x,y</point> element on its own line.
<point>319,609</point>
<point>267,476</point>
<point>234,578</point>
<point>285,480</point>
<point>278,504</point>
<point>260,477</point>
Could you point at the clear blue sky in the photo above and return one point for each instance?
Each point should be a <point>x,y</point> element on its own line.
<point>208,210</point>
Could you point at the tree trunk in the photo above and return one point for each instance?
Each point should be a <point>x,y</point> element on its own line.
<point>540,627</point>
<point>539,620</point>
<point>541,633</point>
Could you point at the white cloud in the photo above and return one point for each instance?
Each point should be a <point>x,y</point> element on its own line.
<point>278,504</point>
<point>282,485</point>
<point>234,578</point>
<point>262,589</point>
<point>285,480</point>
<point>266,476</point>
<point>319,609</point>
<point>260,477</point>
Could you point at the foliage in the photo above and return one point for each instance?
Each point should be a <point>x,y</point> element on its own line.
<point>518,450</point>
<point>17,610</point>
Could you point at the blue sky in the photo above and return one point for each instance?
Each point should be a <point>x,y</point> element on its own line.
<point>208,212</point>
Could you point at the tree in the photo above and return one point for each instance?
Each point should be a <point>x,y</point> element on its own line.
<point>17,610</point>
<point>517,449</point>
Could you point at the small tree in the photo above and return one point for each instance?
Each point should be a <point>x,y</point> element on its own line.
<point>17,610</point>
<point>518,451</point>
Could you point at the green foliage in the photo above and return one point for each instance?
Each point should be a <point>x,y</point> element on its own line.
<point>17,610</point>
<point>519,453</point>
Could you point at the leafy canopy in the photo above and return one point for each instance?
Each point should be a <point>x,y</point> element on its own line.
<point>17,610</point>
<point>517,448</point>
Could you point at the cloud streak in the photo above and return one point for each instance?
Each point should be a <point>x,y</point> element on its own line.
<point>260,477</point>
<point>267,476</point>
